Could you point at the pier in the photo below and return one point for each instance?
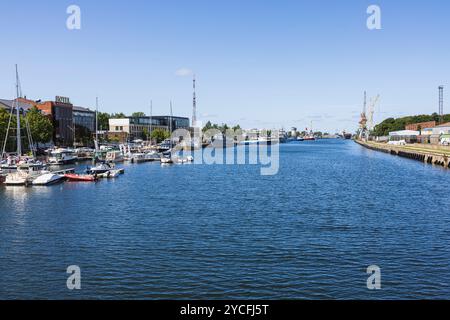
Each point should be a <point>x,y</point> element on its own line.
<point>435,155</point>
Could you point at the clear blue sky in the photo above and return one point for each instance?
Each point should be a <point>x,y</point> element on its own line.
<point>259,63</point>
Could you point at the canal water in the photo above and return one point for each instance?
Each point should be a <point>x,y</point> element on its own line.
<point>226,232</point>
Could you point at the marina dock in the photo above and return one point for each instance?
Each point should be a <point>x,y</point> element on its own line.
<point>435,155</point>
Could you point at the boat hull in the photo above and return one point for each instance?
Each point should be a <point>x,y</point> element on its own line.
<point>80,178</point>
<point>48,179</point>
<point>16,182</point>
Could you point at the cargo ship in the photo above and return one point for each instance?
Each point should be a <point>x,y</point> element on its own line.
<point>347,136</point>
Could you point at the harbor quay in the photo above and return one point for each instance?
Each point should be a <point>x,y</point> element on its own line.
<point>435,155</point>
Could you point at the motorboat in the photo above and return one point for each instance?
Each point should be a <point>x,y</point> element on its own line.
<point>80,178</point>
<point>62,157</point>
<point>100,168</point>
<point>114,174</point>
<point>2,177</point>
<point>188,159</point>
<point>166,160</point>
<point>115,156</point>
<point>138,158</point>
<point>9,164</point>
<point>166,145</point>
<point>24,175</point>
<point>152,156</point>
<point>104,175</point>
<point>48,179</point>
<point>85,153</point>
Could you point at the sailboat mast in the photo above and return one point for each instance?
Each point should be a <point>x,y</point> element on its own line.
<point>151,121</point>
<point>96,122</point>
<point>18,135</point>
<point>171,116</point>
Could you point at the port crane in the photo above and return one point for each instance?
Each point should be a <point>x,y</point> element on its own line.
<point>371,111</point>
<point>366,123</point>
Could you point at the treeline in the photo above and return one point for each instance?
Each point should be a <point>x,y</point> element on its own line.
<point>222,128</point>
<point>103,118</point>
<point>392,124</point>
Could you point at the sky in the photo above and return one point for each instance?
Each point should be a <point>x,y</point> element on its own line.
<point>258,63</point>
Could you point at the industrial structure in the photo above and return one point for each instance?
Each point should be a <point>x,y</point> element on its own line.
<point>366,123</point>
<point>441,104</point>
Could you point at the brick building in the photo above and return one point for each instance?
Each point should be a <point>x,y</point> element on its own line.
<point>422,125</point>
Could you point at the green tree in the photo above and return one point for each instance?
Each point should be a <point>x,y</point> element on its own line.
<point>207,126</point>
<point>145,134</point>
<point>4,120</point>
<point>41,126</point>
<point>223,128</point>
<point>391,124</point>
<point>138,114</point>
<point>119,115</point>
<point>103,120</point>
<point>160,135</point>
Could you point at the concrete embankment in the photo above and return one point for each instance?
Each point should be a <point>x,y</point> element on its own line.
<point>439,156</point>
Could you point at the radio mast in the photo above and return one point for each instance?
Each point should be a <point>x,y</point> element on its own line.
<point>194,107</point>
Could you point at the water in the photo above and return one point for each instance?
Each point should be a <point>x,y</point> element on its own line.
<point>226,232</point>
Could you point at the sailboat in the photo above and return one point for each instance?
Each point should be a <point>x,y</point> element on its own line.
<point>27,169</point>
<point>167,155</point>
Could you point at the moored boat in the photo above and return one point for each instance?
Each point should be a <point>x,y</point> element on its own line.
<point>138,158</point>
<point>104,175</point>
<point>166,160</point>
<point>2,177</point>
<point>80,178</point>
<point>62,157</point>
<point>114,156</point>
<point>48,179</point>
<point>24,175</point>
<point>152,156</point>
<point>114,174</point>
<point>100,169</point>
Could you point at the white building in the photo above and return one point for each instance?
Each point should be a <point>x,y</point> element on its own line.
<point>442,129</point>
<point>409,136</point>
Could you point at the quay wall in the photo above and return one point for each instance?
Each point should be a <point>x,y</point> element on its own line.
<point>438,157</point>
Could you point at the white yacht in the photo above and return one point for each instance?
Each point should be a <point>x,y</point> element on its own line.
<point>152,156</point>
<point>24,175</point>
<point>100,168</point>
<point>115,156</point>
<point>62,157</point>
<point>138,157</point>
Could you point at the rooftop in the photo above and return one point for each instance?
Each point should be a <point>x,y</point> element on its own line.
<point>404,133</point>
<point>8,104</point>
<point>76,108</point>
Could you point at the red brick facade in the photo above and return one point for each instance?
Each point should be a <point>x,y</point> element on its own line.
<point>422,125</point>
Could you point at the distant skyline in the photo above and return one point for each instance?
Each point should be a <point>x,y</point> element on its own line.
<point>257,63</point>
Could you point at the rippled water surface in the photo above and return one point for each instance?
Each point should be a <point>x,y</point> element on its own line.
<point>198,231</point>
